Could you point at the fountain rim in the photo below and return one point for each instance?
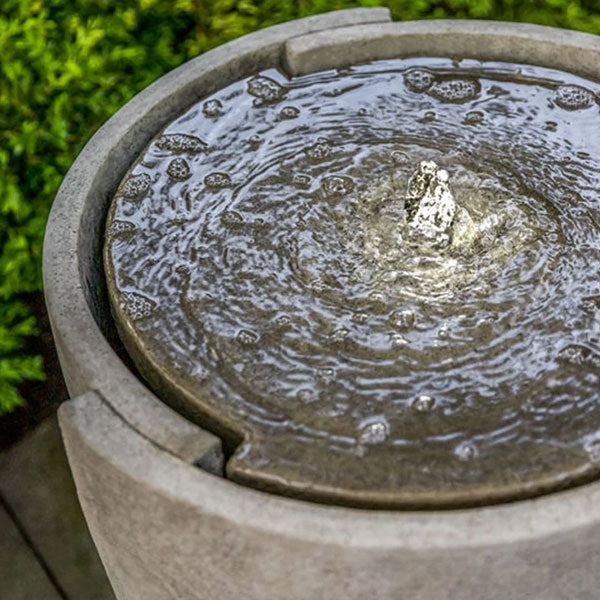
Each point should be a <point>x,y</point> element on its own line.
<point>91,366</point>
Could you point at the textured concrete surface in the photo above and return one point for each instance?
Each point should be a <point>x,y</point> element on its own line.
<point>37,488</point>
<point>484,40</point>
<point>167,529</point>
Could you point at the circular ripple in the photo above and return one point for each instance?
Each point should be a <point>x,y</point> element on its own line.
<point>276,289</point>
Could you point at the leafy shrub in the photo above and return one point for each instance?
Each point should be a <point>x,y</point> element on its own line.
<point>67,65</point>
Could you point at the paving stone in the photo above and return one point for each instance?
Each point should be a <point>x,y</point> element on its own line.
<point>36,483</point>
<point>21,575</point>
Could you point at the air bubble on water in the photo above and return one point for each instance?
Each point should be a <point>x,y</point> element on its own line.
<point>121,227</point>
<point>135,186</point>
<point>403,319</point>
<point>573,97</point>
<point>180,143</point>
<point>217,180</point>
<point>377,298</point>
<point>423,403</point>
<point>456,91</point>
<point>578,355</point>
<point>401,158</point>
<point>212,108</point>
<point>444,332</point>
<point>337,186</point>
<point>179,169</point>
<point>466,451</point>
<point>283,321</point>
<point>247,337</point>
<point>339,335</point>
<point>318,151</point>
<point>326,374</point>
<point>360,318</point>
<point>301,180</point>
<point>427,117</point>
<point>419,80</point>
<point>397,340</point>
<point>473,117</point>
<point>592,447</point>
<point>307,396</point>
<point>231,218</point>
<point>550,126</point>
<point>374,430</point>
<point>289,112</point>
<point>363,112</point>
<point>255,140</point>
<point>137,306</point>
<point>266,89</point>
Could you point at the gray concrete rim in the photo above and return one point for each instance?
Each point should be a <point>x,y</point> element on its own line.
<point>90,364</point>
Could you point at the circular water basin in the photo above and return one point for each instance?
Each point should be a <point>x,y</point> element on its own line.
<point>265,277</point>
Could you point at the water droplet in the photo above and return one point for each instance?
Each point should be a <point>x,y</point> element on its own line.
<point>473,117</point>
<point>363,112</point>
<point>179,169</point>
<point>135,186</point>
<point>573,97</point>
<point>423,403</point>
<point>247,337</point>
<point>212,108</point>
<point>403,319</point>
<point>418,80</point>
<point>456,91</point>
<point>337,186</point>
<point>137,306</point>
<point>289,112</point>
<point>231,218</point>
<point>217,180</point>
<point>466,451</point>
<point>181,142</point>
<point>318,151</point>
<point>374,431</point>
<point>266,89</point>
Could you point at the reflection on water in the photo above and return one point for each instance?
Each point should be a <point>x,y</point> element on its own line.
<point>260,249</point>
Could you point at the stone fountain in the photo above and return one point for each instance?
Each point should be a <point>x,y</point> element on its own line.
<point>210,466</point>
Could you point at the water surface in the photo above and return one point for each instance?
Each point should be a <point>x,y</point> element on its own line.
<point>258,253</point>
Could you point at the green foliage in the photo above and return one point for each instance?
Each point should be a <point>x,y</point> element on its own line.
<point>67,65</point>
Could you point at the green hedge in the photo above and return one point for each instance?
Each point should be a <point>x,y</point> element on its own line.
<point>67,65</point>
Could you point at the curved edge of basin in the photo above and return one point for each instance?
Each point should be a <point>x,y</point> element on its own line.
<point>133,457</point>
<point>72,263</point>
<point>165,530</point>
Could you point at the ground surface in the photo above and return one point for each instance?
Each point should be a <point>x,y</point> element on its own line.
<point>46,552</point>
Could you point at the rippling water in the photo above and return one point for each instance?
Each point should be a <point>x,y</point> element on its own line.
<point>259,251</point>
